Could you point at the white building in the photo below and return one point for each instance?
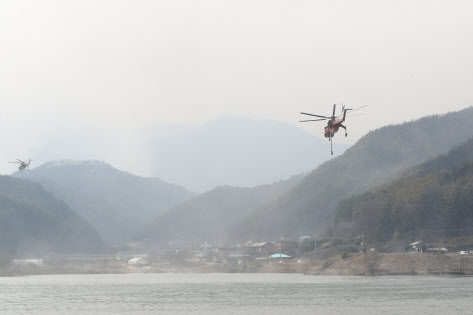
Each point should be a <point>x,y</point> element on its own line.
<point>138,262</point>
<point>130,255</point>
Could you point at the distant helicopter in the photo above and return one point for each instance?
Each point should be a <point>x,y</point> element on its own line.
<point>23,164</point>
<point>333,123</point>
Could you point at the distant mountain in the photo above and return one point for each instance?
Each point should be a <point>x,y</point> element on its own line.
<point>115,203</point>
<point>233,151</point>
<point>435,195</point>
<point>208,217</point>
<point>33,222</point>
<point>381,155</point>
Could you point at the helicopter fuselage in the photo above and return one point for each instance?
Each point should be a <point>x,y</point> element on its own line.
<point>332,127</point>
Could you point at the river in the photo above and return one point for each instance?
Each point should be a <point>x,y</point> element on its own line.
<point>235,294</point>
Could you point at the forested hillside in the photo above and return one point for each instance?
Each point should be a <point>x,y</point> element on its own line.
<point>437,195</point>
<point>115,203</point>
<point>209,217</point>
<point>458,156</point>
<point>33,222</point>
<point>381,155</point>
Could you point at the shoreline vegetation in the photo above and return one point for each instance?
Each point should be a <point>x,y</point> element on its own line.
<point>368,264</point>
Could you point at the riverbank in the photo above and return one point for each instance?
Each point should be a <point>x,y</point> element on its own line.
<point>350,265</point>
<point>396,264</point>
<point>368,264</point>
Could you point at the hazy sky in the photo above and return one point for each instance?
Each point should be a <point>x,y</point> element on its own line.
<point>116,66</point>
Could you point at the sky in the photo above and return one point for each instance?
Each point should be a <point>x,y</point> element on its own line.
<point>84,69</point>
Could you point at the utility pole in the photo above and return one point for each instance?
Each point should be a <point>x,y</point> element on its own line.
<point>315,249</point>
<point>280,248</point>
<point>421,243</point>
<point>363,242</point>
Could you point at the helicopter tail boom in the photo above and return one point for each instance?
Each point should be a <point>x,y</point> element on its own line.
<point>345,110</point>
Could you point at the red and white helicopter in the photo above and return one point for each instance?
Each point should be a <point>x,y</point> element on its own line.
<point>334,122</point>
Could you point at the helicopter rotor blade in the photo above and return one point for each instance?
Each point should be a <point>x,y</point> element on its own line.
<point>360,114</point>
<point>352,110</point>
<point>312,120</point>
<point>14,162</point>
<point>334,107</point>
<point>315,115</point>
<point>349,115</point>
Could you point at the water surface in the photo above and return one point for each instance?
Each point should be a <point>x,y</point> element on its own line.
<point>235,294</point>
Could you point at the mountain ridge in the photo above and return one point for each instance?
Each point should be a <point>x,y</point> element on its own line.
<point>233,151</point>
<point>115,202</point>
<point>207,217</point>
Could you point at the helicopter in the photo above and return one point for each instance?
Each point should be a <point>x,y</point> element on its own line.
<point>23,164</point>
<point>334,122</point>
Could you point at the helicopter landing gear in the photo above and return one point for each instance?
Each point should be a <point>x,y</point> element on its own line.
<point>346,134</point>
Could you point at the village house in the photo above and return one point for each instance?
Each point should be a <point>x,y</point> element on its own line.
<point>288,247</point>
<point>415,247</point>
<point>257,249</point>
